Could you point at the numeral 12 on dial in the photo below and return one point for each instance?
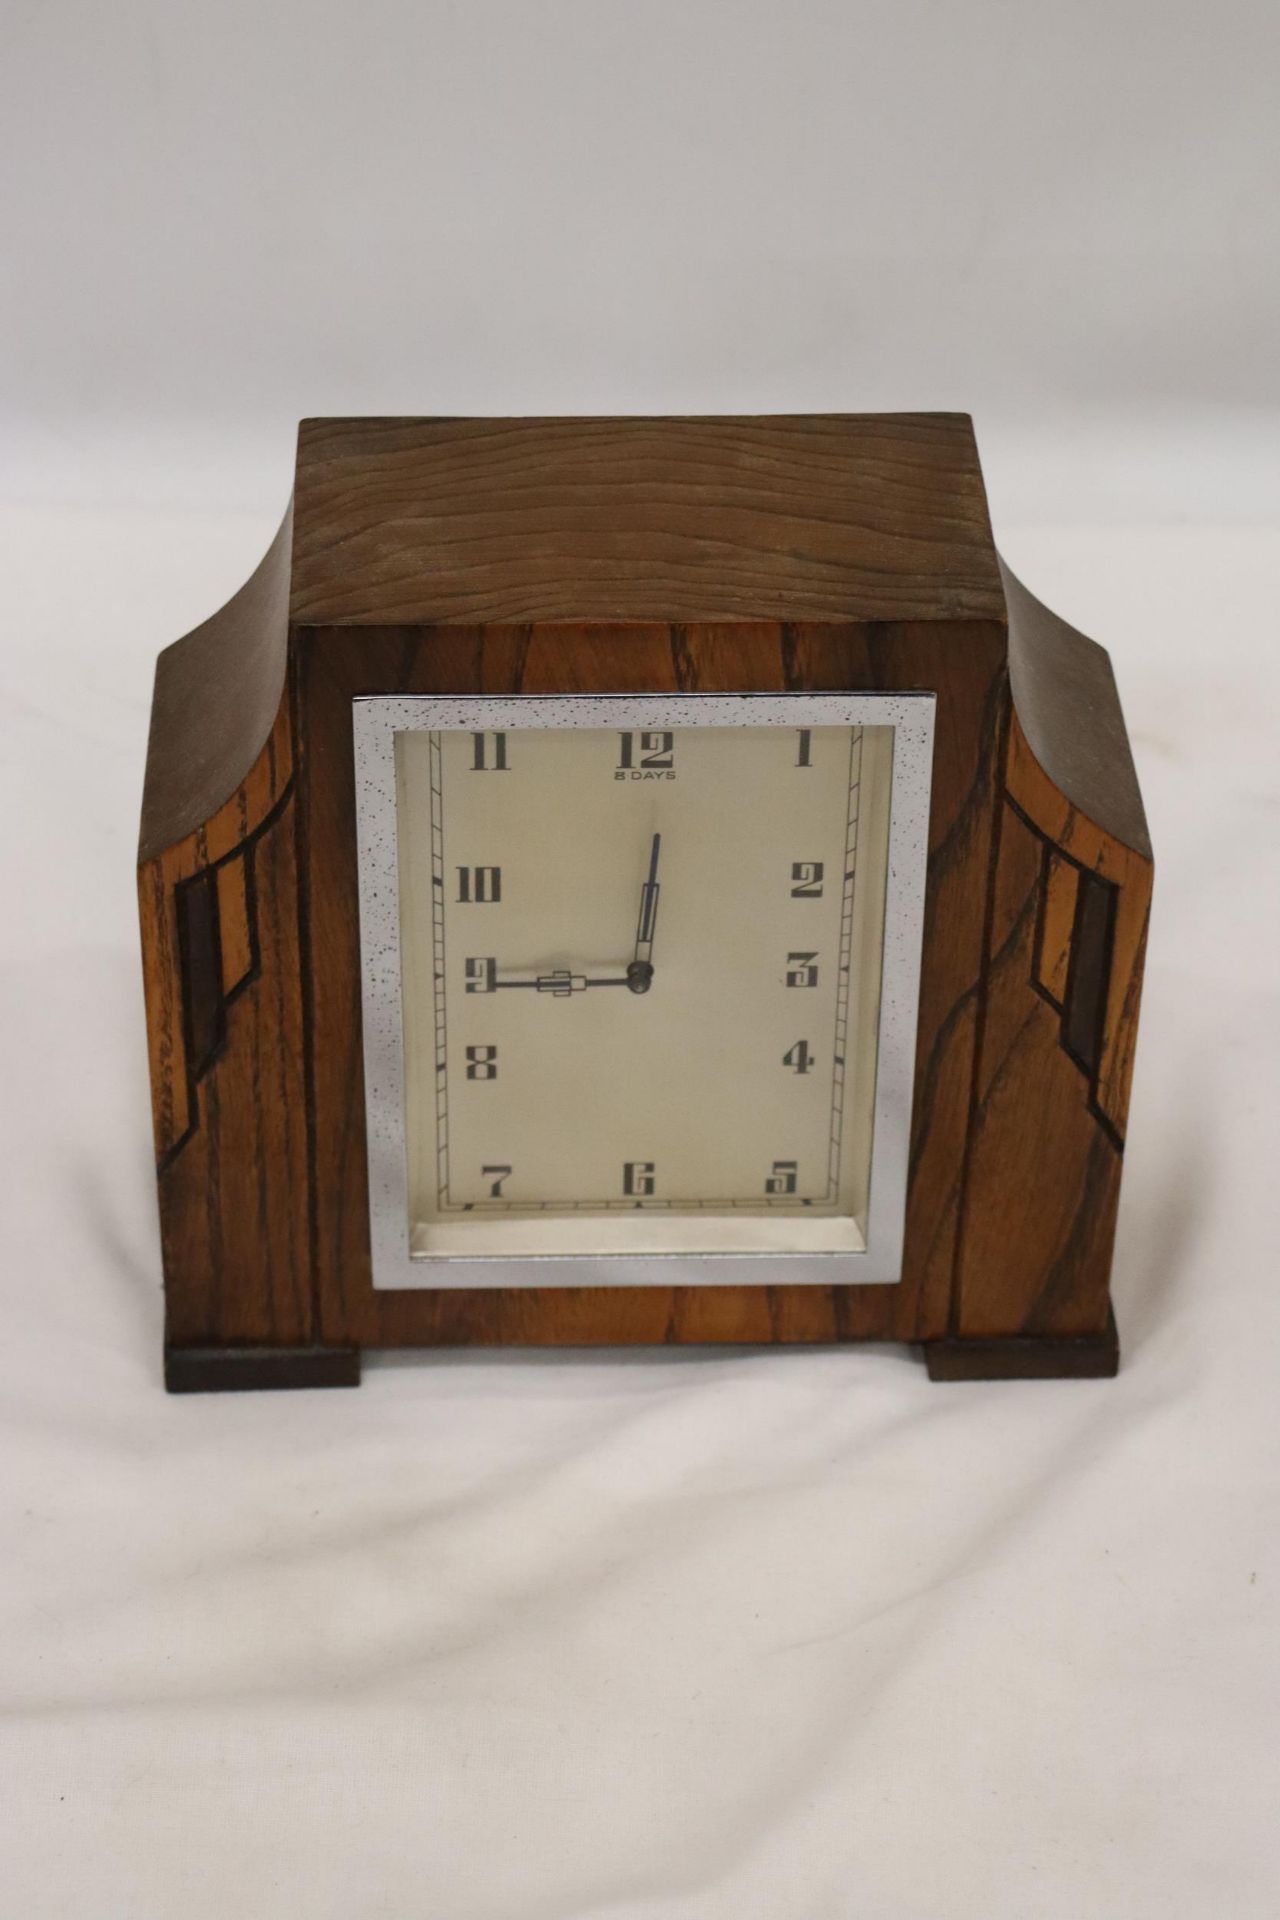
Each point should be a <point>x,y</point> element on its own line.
<point>656,751</point>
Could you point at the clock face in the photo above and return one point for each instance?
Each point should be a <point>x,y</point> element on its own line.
<point>640,981</point>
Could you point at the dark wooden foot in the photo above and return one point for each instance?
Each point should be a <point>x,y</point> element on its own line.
<point>1089,1356</point>
<point>237,1369</point>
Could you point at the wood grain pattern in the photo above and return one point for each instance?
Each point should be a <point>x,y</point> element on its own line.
<point>216,703</point>
<point>1057,922</point>
<point>637,556</point>
<point>227,1068</point>
<point>1054,1069</point>
<point>237,931</point>
<point>1129,870</point>
<point>808,517</point>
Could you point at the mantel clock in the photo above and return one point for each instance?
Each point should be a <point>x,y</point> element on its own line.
<point>638,881</point>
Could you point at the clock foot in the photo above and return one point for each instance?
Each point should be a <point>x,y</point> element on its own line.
<point>1021,1356</point>
<point>238,1369</point>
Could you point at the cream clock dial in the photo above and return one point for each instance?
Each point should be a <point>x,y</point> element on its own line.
<point>640,979</point>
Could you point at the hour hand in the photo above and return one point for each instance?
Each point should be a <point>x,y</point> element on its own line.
<point>561,983</point>
<point>640,972</point>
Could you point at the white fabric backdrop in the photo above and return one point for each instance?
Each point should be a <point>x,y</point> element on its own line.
<point>742,1636</point>
<point>673,1637</point>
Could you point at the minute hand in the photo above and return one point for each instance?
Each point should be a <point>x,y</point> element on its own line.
<point>640,972</point>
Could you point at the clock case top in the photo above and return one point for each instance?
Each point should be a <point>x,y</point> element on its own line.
<point>800,554</point>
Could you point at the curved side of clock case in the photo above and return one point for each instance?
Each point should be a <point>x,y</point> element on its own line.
<point>216,700</point>
<point>218,903</point>
<point>1071,895</point>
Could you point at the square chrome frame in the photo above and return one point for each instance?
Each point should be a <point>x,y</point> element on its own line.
<point>377,719</point>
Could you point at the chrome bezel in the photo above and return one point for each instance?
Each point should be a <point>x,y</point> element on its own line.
<point>376,720</point>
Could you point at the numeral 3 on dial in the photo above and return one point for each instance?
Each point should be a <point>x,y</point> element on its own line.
<point>802,969</point>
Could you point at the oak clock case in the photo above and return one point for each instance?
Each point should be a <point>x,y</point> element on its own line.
<point>569,713</point>
<point>622,970</point>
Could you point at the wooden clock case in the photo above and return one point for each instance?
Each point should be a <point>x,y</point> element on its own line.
<point>810,553</point>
